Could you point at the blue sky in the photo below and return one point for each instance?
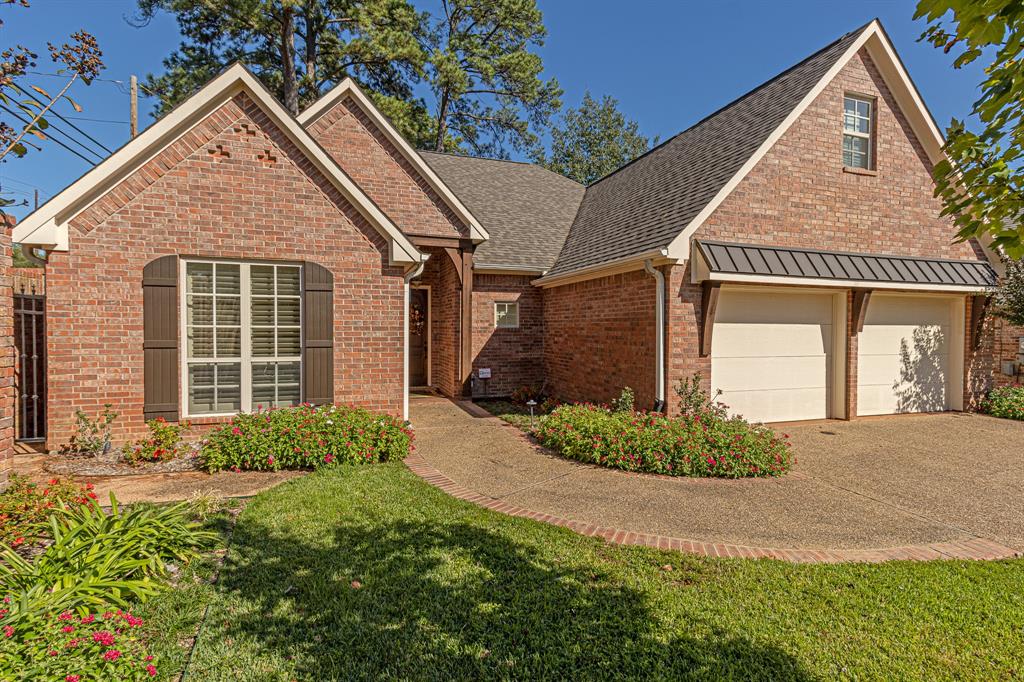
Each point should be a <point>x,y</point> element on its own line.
<point>668,62</point>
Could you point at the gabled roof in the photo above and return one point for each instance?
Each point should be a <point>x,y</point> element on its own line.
<point>48,226</point>
<point>527,208</point>
<point>349,88</point>
<point>653,205</point>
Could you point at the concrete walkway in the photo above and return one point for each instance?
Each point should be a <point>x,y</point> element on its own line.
<point>914,487</point>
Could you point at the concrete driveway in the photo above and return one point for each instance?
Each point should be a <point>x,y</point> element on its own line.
<point>869,484</point>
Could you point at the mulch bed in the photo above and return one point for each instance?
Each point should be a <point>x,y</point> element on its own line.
<point>111,464</point>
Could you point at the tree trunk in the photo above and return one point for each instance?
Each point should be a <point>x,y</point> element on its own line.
<point>442,120</point>
<point>291,85</point>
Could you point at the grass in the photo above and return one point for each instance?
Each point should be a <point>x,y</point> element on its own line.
<point>368,572</point>
<point>517,415</point>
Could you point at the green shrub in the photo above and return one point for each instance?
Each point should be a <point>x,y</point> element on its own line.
<point>306,437</point>
<point>60,645</point>
<point>25,505</point>
<point>163,444</point>
<point>626,402</point>
<point>1007,402</point>
<point>91,436</point>
<point>702,445</point>
<point>694,400</point>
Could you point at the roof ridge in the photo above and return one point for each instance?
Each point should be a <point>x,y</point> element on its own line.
<point>737,100</point>
<point>530,164</point>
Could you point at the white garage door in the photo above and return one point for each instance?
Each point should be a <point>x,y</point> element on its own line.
<point>904,355</point>
<point>772,354</point>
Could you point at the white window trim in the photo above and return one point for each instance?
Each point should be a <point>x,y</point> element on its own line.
<point>497,325</point>
<point>246,360</point>
<point>869,136</point>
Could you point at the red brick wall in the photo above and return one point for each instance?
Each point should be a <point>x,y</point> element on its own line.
<point>599,337</point>
<point>799,195</point>
<point>445,325</point>
<point>379,168</point>
<point>7,397</point>
<point>234,187</point>
<point>514,356</point>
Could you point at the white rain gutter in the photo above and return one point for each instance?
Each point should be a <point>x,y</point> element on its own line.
<point>659,334</point>
<point>416,271</point>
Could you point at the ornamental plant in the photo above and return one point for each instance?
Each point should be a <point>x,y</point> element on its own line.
<point>705,444</point>
<point>25,505</point>
<point>1006,402</point>
<point>306,437</point>
<point>91,436</point>
<point>74,647</point>
<point>163,444</point>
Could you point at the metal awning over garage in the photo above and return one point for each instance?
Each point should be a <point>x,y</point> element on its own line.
<point>722,261</point>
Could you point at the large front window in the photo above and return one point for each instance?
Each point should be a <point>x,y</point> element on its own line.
<point>242,328</point>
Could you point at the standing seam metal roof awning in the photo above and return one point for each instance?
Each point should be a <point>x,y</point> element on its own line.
<point>782,261</point>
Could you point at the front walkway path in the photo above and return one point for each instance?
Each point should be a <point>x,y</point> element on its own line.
<point>924,487</point>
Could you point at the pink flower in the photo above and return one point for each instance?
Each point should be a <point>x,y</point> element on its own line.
<point>72,678</point>
<point>8,631</point>
<point>328,458</point>
<point>236,431</point>
<point>103,637</point>
<point>151,670</point>
<point>88,619</point>
<point>112,655</point>
<point>52,652</point>
<point>68,628</point>
<point>66,615</point>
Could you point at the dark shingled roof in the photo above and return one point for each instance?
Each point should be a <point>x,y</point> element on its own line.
<point>645,204</point>
<point>526,209</point>
<point>782,261</point>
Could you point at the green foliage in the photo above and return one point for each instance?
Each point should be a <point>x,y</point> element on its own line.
<point>702,445</point>
<point>980,184</point>
<point>593,140</point>
<point>91,436</point>
<point>306,437</point>
<point>163,444</point>
<point>1009,296</point>
<point>695,401</point>
<point>485,79</point>
<point>25,505</point>
<point>1006,402</point>
<point>99,558</point>
<point>626,402</point>
<point>75,648</point>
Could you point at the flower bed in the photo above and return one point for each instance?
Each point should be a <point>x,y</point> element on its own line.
<point>25,505</point>
<point>704,444</point>
<point>1007,403</point>
<point>306,437</point>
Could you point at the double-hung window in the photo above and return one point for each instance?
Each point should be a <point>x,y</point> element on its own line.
<point>242,327</point>
<point>857,122</point>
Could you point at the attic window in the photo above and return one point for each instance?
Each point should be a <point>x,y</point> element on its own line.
<point>857,131</point>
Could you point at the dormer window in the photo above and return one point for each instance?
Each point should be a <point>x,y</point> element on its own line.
<point>857,131</point>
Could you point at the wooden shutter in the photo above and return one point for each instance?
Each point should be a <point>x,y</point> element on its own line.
<point>317,334</point>
<point>160,338</point>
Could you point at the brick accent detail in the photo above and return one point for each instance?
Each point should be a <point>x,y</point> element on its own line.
<point>190,202</point>
<point>7,396</point>
<point>599,337</point>
<point>973,548</point>
<point>29,281</point>
<point>514,356</point>
<point>379,168</point>
<point>798,194</point>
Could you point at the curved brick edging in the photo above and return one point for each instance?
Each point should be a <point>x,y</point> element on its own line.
<point>974,548</point>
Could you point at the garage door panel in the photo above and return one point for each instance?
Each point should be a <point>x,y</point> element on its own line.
<point>751,307</point>
<point>779,405</point>
<point>882,339</point>
<point>758,374</point>
<point>773,340</point>
<point>882,399</point>
<point>890,369</point>
<point>906,310</point>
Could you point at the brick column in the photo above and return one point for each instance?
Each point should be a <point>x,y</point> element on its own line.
<point>7,398</point>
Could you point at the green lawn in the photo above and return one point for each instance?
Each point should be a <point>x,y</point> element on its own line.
<point>371,573</point>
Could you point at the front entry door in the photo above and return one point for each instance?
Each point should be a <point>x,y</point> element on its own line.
<point>418,342</point>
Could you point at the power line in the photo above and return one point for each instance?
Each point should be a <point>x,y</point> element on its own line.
<point>99,120</point>
<point>52,139</point>
<point>120,84</point>
<point>52,128</point>
<point>55,113</point>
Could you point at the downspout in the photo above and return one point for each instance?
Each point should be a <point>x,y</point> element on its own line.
<point>416,271</point>
<point>659,334</point>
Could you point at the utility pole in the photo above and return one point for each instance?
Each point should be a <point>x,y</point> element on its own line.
<point>134,93</point>
<point>37,198</point>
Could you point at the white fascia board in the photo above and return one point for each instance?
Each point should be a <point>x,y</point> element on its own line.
<point>348,87</point>
<point>49,224</point>
<point>842,283</point>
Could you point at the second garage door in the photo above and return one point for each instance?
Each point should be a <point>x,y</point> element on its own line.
<point>908,355</point>
<point>772,354</point>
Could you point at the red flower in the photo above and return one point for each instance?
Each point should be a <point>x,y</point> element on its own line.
<point>68,628</point>
<point>88,619</point>
<point>103,637</point>
<point>151,670</point>
<point>236,431</point>
<point>66,615</point>
<point>8,631</point>
<point>72,678</point>
<point>112,655</point>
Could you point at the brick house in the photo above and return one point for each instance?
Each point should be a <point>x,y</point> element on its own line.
<point>787,247</point>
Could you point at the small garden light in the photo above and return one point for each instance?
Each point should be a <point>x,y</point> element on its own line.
<point>531,403</point>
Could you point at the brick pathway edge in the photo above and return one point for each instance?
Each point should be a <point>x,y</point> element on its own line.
<point>974,548</point>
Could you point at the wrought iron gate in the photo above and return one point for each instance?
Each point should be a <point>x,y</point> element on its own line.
<point>30,369</point>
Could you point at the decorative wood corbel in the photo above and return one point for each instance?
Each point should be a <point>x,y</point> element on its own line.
<point>708,307</point>
<point>979,310</point>
<point>861,299</point>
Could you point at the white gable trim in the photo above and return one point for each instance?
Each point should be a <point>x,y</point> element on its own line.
<point>47,227</point>
<point>348,87</point>
<point>882,53</point>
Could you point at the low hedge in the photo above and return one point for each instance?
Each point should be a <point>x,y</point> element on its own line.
<point>305,437</point>
<point>1007,402</point>
<point>706,444</point>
